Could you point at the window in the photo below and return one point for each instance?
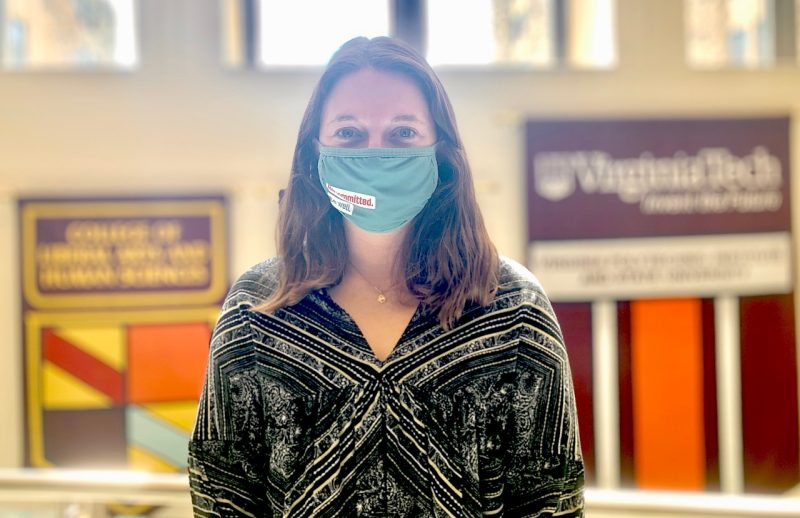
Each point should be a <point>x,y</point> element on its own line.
<point>82,34</point>
<point>303,32</point>
<point>741,33</point>
<point>535,33</point>
<point>527,33</point>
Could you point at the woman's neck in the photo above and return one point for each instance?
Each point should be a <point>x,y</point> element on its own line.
<point>375,255</point>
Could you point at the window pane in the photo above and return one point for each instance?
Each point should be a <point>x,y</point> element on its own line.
<point>531,32</point>
<point>490,31</point>
<point>326,24</point>
<point>723,33</point>
<point>68,34</point>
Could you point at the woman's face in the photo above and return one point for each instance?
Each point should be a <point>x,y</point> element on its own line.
<point>370,108</point>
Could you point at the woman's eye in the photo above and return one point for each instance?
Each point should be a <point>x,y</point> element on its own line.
<point>406,132</point>
<point>346,133</point>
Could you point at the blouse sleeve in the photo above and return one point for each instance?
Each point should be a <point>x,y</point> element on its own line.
<point>546,474</point>
<point>226,466</point>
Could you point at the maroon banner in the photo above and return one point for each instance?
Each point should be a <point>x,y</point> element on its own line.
<point>635,178</point>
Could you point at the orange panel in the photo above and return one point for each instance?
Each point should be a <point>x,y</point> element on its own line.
<point>166,362</point>
<point>667,372</point>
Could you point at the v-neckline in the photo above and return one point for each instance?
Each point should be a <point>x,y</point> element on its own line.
<point>362,340</point>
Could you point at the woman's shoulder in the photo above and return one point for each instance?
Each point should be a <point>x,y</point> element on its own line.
<point>514,277</point>
<point>255,285</point>
<point>518,288</point>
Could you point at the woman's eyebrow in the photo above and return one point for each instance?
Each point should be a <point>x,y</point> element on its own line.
<point>406,118</point>
<point>342,118</point>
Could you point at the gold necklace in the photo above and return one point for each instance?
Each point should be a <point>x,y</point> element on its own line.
<point>381,296</point>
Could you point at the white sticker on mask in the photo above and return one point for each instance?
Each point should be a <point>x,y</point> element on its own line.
<point>356,198</point>
<point>341,205</point>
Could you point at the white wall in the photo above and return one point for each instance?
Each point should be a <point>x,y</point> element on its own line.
<point>184,123</point>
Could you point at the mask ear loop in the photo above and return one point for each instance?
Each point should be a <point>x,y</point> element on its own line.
<point>315,144</point>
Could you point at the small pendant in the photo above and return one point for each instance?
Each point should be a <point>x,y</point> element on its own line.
<point>381,298</point>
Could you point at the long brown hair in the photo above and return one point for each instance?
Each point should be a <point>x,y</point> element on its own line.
<point>449,259</point>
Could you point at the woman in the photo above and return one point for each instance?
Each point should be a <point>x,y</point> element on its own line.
<point>387,363</point>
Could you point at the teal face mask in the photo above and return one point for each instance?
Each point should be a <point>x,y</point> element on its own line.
<point>378,189</point>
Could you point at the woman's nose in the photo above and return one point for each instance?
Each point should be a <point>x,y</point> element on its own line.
<point>375,141</point>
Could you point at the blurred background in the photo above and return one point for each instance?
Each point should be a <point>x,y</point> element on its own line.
<point>636,155</point>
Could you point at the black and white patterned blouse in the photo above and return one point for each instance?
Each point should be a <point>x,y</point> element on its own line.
<point>299,418</point>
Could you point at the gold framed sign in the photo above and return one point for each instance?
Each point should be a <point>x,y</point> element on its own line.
<point>128,253</point>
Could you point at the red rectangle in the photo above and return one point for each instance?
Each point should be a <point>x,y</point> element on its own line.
<point>769,393</point>
<point>576,322</point>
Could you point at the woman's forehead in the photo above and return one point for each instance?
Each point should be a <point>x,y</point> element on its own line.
<point>375,91</point>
